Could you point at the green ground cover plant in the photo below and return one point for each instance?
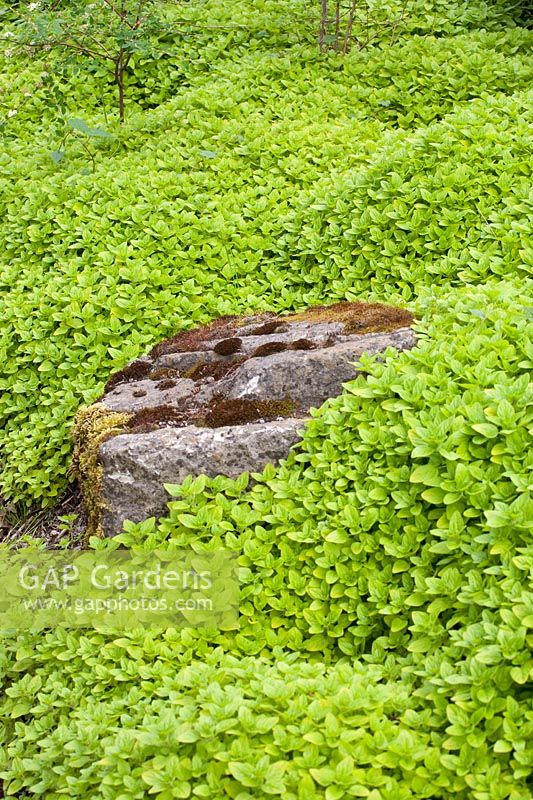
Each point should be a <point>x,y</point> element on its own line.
<point>384,648</point>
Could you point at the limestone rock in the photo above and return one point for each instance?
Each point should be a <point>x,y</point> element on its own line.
<point>225,398</point>
<point>147,394</point>
<point>308,377</point>
<point>136,467</point>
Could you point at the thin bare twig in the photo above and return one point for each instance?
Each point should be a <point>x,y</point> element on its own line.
<point>349,27</point>
<point>121,14</point>
<point>71,45</point>
<point>323,23</point>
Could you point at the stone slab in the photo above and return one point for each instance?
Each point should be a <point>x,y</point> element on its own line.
<point>135,396</point>
<point>135,467</point>
<point>308,377</point>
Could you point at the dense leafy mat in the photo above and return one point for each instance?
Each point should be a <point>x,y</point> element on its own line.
<point>273,178</point>
<point>386,614</point>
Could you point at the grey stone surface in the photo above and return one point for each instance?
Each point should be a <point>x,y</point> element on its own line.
<point>135,467</point>
<point>318,334</point>
<point>137,395</point>
<point>183,361</point>
<point>308,377</point>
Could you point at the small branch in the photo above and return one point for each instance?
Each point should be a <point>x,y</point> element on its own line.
<point>70,46</point>
<point>90,154</point>
<point>93,38</point>
<point>121,13</point>
<point>349,27</point>
<point>396,23</point>
<point>323,23</point>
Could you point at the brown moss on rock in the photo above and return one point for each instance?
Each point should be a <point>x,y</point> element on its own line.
<point>168,383</point>
<point>227,347</point>
<point>265,329</point>
<point>93,426</point>
<point>197,339</point>
<point>135,371</point>
<point>163,372</point>
<point>303,344</point>
<point>213,369</point>
<point>357,317</point>
<point>151,418</point>
<point>223,412</point>
<point>269,348</point>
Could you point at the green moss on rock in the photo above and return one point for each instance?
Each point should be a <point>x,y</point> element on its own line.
<point>93,426</point>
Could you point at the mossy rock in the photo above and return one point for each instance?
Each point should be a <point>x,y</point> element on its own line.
<point>218,394</point>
